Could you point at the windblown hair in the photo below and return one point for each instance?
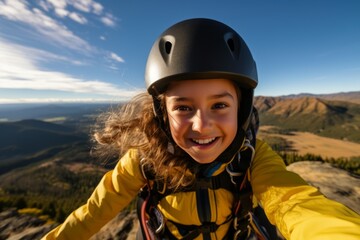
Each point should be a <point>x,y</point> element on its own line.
<point>134,125</point>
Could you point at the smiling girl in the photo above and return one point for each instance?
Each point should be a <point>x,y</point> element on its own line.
<point>183,135</point>
<point>202,123</point>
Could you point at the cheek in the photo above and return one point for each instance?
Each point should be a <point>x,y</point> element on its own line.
<point>234,128</point>
<point>231,125</point>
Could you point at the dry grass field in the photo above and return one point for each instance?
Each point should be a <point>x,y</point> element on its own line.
<point>304,142</point>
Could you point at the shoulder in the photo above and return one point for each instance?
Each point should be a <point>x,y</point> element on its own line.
<point>130,162</point>
<point>266,161</point>
<point>263,150</point>
<point>261,143</point>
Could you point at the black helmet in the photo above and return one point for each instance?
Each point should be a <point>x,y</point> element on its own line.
<point>202,49</point>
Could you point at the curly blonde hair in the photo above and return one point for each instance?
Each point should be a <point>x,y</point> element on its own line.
<point>134,125</point>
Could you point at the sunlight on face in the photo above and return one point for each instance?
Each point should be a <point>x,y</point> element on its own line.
<point>202,116</point>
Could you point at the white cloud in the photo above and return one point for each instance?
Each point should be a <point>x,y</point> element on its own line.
<point>38,56</point>
<point>14,10</point>
<point>61,12</point>
<point>19,71</point>
<point>78,18</point>
<point>44,5</point>
<point>82,5</point>
<point>113,67</point>
<point>54,31</point>
<point>117,58</point>
<point>58,3</point>
<point>108,20</point>
<point>19,65</point>
<point>103,38</point>
<point>98,8</point>
<point>86,6</point>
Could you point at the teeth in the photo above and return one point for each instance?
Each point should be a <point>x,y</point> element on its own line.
<point>204,141</point>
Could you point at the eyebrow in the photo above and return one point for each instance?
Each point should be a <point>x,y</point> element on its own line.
<point>225,94</point>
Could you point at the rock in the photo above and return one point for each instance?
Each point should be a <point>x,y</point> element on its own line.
<point>15,226</point>
<point>31,233</point>
<point>334,183</point>
<point>124,226</point>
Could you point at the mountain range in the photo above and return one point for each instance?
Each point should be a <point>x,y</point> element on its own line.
<point>353,97</point>
<point>335,118</point>
<point>38,132</point>
<point>19,111</point>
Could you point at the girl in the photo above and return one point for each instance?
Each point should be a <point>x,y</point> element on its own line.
<point>186,133</point>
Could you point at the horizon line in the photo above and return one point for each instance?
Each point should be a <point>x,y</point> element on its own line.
<point>4,101</point>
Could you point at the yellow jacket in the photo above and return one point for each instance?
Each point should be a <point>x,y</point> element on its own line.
<point>298,210</point>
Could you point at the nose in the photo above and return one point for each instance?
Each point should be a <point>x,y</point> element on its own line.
<point>201,121</point>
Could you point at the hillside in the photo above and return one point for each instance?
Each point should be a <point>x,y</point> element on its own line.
<point>27,141</point>
<point>57,184</point>
<point>335,119</point>
<point>47,166</point>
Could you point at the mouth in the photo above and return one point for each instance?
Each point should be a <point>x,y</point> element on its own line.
<point>204,141</point>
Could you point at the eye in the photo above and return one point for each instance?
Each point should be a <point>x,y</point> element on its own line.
<point>220,105</point>
<point>182,108</point>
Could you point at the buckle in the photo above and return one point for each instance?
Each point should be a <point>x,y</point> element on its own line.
<point>156,224</point>
<point>240,226</point>
<point>237,234</point>
<point>233,174</point>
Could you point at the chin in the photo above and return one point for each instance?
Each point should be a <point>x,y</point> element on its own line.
<point>204,160</point>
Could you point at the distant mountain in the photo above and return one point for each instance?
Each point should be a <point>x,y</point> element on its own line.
<point>353,97</point>
<point>16,112</point>
<point>335,119</point>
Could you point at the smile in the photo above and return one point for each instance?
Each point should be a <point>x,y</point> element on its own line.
<point>203,141</point>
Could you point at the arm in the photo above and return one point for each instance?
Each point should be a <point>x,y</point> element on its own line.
<point>114,192</point>
<point>299,210</point>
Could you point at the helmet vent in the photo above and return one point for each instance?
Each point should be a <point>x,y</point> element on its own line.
<point>231,45</point>
<point>168,46</point>
<point>232,42</point>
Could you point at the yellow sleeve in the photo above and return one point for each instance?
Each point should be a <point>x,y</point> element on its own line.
<point>299,210</point>
<point>114,192</point>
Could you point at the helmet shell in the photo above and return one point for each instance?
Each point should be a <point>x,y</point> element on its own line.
<point>199,49</point>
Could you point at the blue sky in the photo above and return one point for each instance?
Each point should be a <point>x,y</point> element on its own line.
<point>87,50</point>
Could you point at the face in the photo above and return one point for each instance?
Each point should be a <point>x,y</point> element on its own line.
<point>202,116</point>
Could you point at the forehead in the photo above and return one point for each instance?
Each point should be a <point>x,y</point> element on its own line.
<point>200,86</point>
